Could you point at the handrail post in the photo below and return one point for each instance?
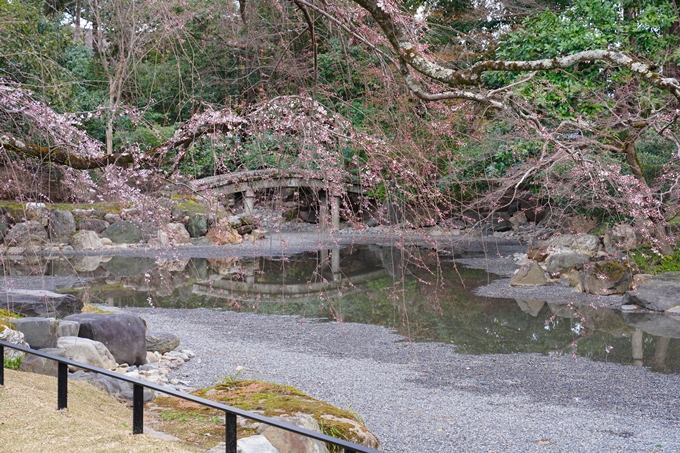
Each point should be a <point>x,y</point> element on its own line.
<point>62,386</point>
<point>230,432</point>
<point>2,365</point>
<point>137,409</point>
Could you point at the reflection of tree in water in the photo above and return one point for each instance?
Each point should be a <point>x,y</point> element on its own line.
<point>408,289</point>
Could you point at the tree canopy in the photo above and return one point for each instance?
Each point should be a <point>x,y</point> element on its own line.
<point>456,104</point>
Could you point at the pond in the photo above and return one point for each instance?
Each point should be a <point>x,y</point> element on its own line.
<point>423,296</point>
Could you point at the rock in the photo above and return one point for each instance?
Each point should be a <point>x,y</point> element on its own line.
<point>68,329</point>
<point>639,279</point>
<point>358,433</point>
<point>86,263</point>
<point>177,233</point>
<point>36,211</point>
<point>85,240</point>
<point>574,243</point>
<point>620,238</point>
<point>4,225</point>
<point>245,229</point>
<point>25,234</point>
<point>659,293</point>
<point>112,218</point>
<point>86,351</point>
<point>161,342</point>
<point>126,232</point>
<point>580,224</point>
<point>35,364</point>
<point>38,332</point>
<point>40,303</point>
<point>500,222</point>
<point>60,226</point>
<point>655,324</point>
<point>605,278</point>
<point>570,278</point>
<point>107,242</point>
<point>121,266</point>
<point>254,444</point>
<point>96,225</point>
<point>12,336</point>
<point>288,442</point>
<point>258,234</point>
<point>123,334</point>
<point>537,250</point>
<point>529,275</point>
<point>519,218</point>
<point>111,386</point>
<point>561,262</point>
<point>179,215</point>
<point>532,307</point>
<point>222,234</point>
<point>197,226</point>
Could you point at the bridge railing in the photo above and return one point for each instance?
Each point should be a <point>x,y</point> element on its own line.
<point>138,402</point>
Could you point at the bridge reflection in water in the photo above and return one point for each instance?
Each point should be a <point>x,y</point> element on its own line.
<point>328,281</point>
<point>412,290</point>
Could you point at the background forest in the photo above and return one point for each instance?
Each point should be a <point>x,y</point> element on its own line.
<point>427,103</point>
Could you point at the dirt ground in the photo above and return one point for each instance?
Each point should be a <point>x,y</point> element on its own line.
<point>94,421</point>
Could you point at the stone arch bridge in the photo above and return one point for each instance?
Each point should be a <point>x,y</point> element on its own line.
<point>248,182</point>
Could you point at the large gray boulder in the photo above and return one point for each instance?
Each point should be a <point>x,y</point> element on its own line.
<point>126,232</point>
<point>288,442</point>
<point>197,226</point>
<point>40,303</point>
<point>27,233</point>
<point>86,351</point>
<point>60,225</point>
<point>561,262</point>
<point>659,293</point>
<point>96,225</point>
<point>574,243</point>
<point>161,342</point>
<point>40,365</point>
<point>123,334</point>
<point>85,240</point>
<point>38,332</point>
<point>177,233</point>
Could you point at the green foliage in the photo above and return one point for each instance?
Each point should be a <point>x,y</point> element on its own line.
<point>586,25</point>
<point>12,364</point>
<point>649,262</point>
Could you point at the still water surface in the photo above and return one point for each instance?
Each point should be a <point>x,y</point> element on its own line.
<point>419,294</point>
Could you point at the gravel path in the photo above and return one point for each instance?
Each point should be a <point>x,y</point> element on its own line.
<point>423,397</point>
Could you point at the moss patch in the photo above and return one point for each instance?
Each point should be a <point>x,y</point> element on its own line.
<point>19,208</point>
<point>197,424</point>
<point>190,205</point>
<point>6,314</point>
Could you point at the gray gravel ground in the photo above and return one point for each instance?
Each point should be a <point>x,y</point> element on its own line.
<point>423,397</point>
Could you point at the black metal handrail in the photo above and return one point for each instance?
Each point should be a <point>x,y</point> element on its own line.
<point>138,402</point>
